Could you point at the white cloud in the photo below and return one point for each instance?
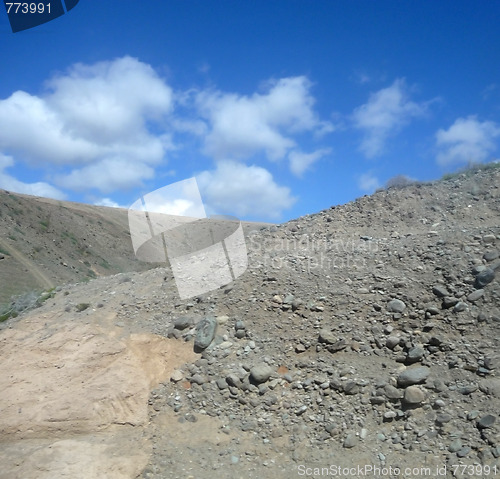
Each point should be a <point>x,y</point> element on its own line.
<point>89,116</point>
<point>39,188</point>
<point>108,175</point>
<point>243,191</point>
<point>108,100</point>
<point>240,126</point>
<point>300,162</point>
<point>368,182</point>
<point>385,113</point>
<point>108,202</point>
<point>467,140</point>
<point>181,198</point>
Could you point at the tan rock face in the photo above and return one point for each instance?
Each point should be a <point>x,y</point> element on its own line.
<point>74,391</point>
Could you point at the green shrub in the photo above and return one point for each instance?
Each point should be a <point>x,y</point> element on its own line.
<point>69,235</point>
<point>45,224</point>
<point>105,264</point>
<point>399,181</point>
<point>471,168</point>
<point>82,307</point>
<point>24,302</point>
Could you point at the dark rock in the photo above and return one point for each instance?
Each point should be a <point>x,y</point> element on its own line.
<point>449,302</point>
<point>486,421</point>
<point>205,333</point>
<point>484,277</point>
<point>300,348</point>
<point>392,341</point>
<point>233,380</point>
<point>239,325</point>
<point>475,295</point>
<point>337,346</point>
<point>464,451</point>
<point>466,390</point>
<point>240,333</point>
<point>351,388</point>
<point>415,375</point>
<point>415,354</point>
<point>440,291</point>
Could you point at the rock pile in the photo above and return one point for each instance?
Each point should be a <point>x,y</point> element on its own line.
<point>364,334</point>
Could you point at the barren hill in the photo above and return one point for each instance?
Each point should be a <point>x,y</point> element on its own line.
<point>364,336</point>
<point>46,243</point>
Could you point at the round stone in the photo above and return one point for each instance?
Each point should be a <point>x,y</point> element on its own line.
<point>176,376</point>
<point>350,440</point>
<point>261,373</point>
<point>475,295</point>
<point>396,306</point>
<point>414,395</point>
<point>459,307</point>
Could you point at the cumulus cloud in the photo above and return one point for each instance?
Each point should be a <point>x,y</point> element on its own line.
<point>300,162</point>
<point>88,116</point>
<point>467,140</point>
<point>108,202</point>
<point>241,126</point>
<point>108,175</point>
<point>244,191</point>
<point>385,113</point>
<point>368,182</point>
<point>39,188</point>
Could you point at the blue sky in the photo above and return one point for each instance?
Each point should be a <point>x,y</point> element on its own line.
<point>278,108</point>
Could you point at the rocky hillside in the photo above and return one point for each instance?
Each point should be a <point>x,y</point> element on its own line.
<point>45,243</point>
<point>364,336</point>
